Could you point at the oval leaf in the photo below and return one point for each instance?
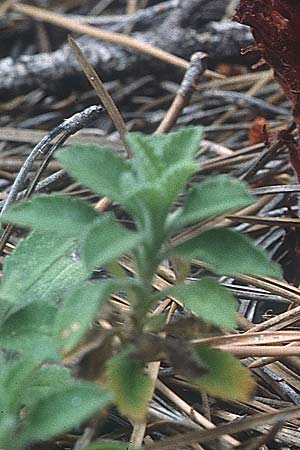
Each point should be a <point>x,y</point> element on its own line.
<point>228,253</point>
<point>30,332</point>
<point>226,377</point>
<point>169,148</point>
<point>47,276</point>
<point>207,300</point>
<point>78,311</point>
<point>65,216</point>
<point>44,381</point>
<point>107,241</point>
<point>63,410</point>
<point>97,168</point>
<point>131,386</point>
<point>212,197</point>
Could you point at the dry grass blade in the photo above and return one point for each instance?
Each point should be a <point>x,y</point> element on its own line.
<point>187,409</point>
<point>188,86</point>
<point>131,6</point>
<point>182,441</point>
<point>279,321</point>
<point>246,351</point>
<point>259,443</point>
<point>269,221</point>
<point>265,360</point>
<point>277,288</point>
<point>267,76</point>
<point>102,93</point>
<point>250,338</point>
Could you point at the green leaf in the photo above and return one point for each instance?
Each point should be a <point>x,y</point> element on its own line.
<point>131,386</point>
<point>21,270</point>
<point>147,207</point>
<point>212,197</point>
<point>65,216</point>
<point>23,384</point>
<point>150,202</point>
<point>60,411</point>
<point>97,168</point>
<point>161,151</point>
<point>107,241</point>
<point>8,425</point>
<point>228,253</point>
<point>207,300</point>
<point>45,381</point>
<point>180,145</point>
<point>62,277</point>
<point>38,269</point>
<point>146,163</point>
<point>226,377</point>
<point>30,332</point>
<point>78,311</point>
<point>110,445</point>
<point>14,378</point>
<point>174,181</point>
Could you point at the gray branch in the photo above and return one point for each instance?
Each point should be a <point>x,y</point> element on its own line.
<point>220,40</point>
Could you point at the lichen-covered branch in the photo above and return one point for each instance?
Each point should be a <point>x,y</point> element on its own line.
<point>177,34</point>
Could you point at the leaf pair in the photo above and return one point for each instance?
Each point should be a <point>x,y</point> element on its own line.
<point>102,238</point>
<point>218,373</point>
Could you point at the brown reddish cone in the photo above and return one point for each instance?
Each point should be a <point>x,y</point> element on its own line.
<point>276,29</point>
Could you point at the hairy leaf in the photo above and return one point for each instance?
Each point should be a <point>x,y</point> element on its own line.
<point>78,310</point>
<point>65,216</point>
<point>130,385</point>
<point>97,168</point>
<point>30,332</point>
<point>174,181</point>
<point>213,197</point>
<point>38,269</point>
<point>60,411</point>
<point>155,153</point>
<point>15,375</point>
<point>207,300</point>
<point>44,381</point>
<point>107,241</point>
<point>226,377</point>
<point>146,162</point>
<point>147,207</point>
<point>228,253</point>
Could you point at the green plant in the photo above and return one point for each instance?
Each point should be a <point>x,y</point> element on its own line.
<point>48,300</point>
